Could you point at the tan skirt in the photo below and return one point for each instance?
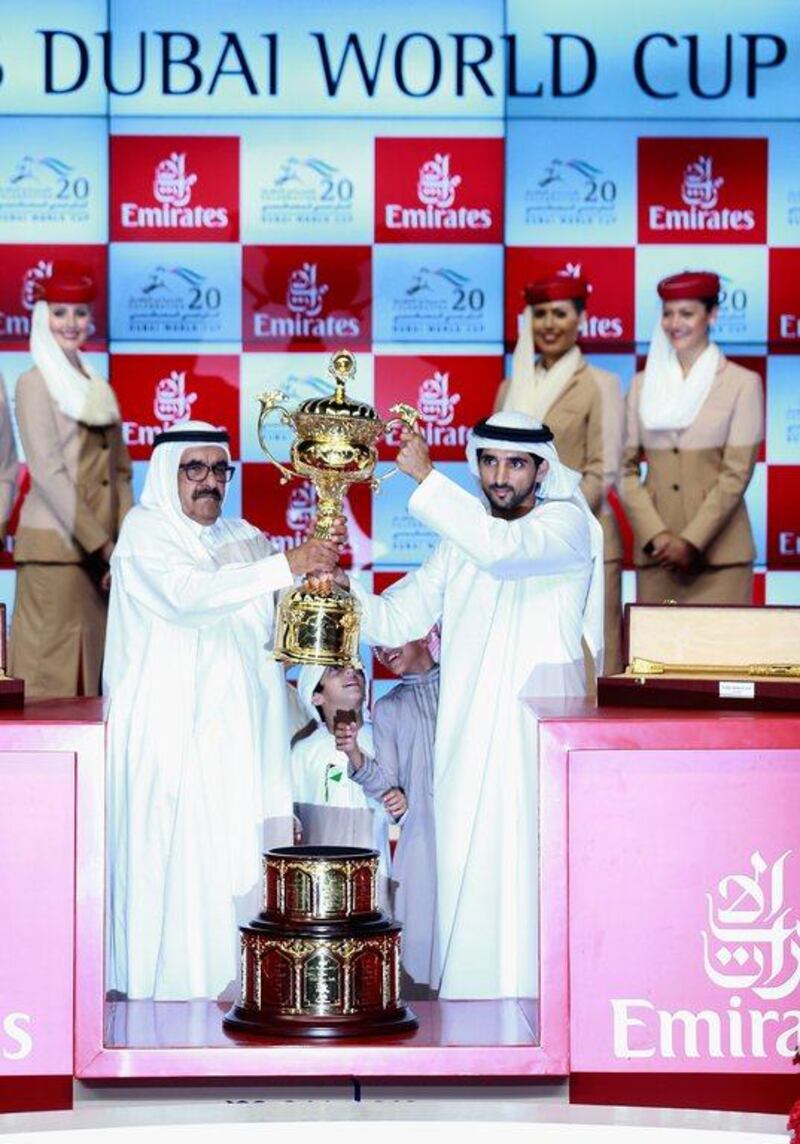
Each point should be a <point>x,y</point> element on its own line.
<point>58,631</point>
<point>727,584</point>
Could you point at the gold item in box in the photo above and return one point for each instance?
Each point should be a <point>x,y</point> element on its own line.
<point>321,960</point>
<point>723,657</point>
<point>640,666</point>
<point>335,446</point>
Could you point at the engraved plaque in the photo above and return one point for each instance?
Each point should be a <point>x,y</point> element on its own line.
<point>322,985</point>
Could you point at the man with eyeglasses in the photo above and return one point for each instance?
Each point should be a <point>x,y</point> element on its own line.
<point>198,736</point>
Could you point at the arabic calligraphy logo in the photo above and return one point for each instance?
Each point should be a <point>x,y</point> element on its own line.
<point>171,402</point>
<point>570,270</point>
<point>171,184</point>
<point>435,184</point>
<point>305,294</point>
<point>751,943</point>
<point>699,187</point>
<point>435,401</point>
<point>31,279</point>
<point>300,509</point>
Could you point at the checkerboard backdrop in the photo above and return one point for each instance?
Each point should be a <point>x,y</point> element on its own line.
<point>234,254</point>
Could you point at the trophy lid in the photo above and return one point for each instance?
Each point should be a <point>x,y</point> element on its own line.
<point>342,368</point>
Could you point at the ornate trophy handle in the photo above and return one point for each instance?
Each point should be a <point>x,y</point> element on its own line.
<point>269,401</point>
<point>406,415</point>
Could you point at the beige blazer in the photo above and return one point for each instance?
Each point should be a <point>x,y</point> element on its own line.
<point>9,465</point>
<point>587,422</point>
<point>80,480</point>
<point>696,478</point>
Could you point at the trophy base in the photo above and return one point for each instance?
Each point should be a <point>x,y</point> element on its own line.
<point>241,1020</point>
<point>312,628</point>
<point>320,961</point>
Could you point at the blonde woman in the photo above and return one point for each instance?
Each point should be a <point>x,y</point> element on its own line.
<point>80,472</point>
<point>699,420</point>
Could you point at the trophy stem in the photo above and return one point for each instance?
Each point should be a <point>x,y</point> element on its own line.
<point>329,506</point>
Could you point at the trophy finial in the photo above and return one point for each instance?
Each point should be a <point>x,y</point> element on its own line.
<point>343,369</point>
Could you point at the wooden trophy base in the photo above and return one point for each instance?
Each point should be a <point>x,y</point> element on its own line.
<point>241,1020</point>
<point>321,961</point>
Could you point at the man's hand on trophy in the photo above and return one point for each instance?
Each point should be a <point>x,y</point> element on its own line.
<point>313,557</point>
<point>322,583</point>
<point>414,458</point>
<point>338,532</point>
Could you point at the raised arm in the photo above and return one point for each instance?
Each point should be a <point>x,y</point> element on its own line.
<point>377,775</point>
<point>179,591</point>
<point>176,587</point>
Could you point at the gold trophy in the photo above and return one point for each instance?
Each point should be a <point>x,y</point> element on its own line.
<point>335,446</point>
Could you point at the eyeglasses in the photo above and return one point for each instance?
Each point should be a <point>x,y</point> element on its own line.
<point>197,471</point>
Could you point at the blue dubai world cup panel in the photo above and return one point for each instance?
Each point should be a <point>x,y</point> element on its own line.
<point>742,270</point>
<point>186,292</point>
<point>298,376</point>
<point>575,187</point>
<point>437,293</point>
<point>307,183</point>
<point>783,185</point>
<point>399,540</point>
<point>783,411</point>
<point>756,501</point>
<point>53,180</point>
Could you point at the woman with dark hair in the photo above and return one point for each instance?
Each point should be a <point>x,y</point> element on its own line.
<point>699,420</point>
<point>80,472</point>
<point>583,407</point>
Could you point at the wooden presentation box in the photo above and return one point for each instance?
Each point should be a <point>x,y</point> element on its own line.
<point>12,691</point>
<point>726,658</point>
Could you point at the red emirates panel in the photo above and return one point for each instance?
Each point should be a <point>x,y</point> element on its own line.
<point>156,391</point>
<point>286,513</point>
<point>24,266</point>
<point>438,190</point>
<point>694,190</point>
<point>783,517</point>
<point>171,188</point>
<point>783,324</point>
<point>451,393</point>
<point>608,322</point>
<point>307,298</point>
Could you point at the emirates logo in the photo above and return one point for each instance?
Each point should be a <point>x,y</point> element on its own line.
<point>753,940</point>
<point>700,210</point>
<point>700,188</point>
<point>435,184</point>
<point>171,183</point>
<point>173,189</point>
<point>31,279</point>
<point>436,193</point>
<point>305,293</point>
<point>436,403</point>
<point>171,402</point>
